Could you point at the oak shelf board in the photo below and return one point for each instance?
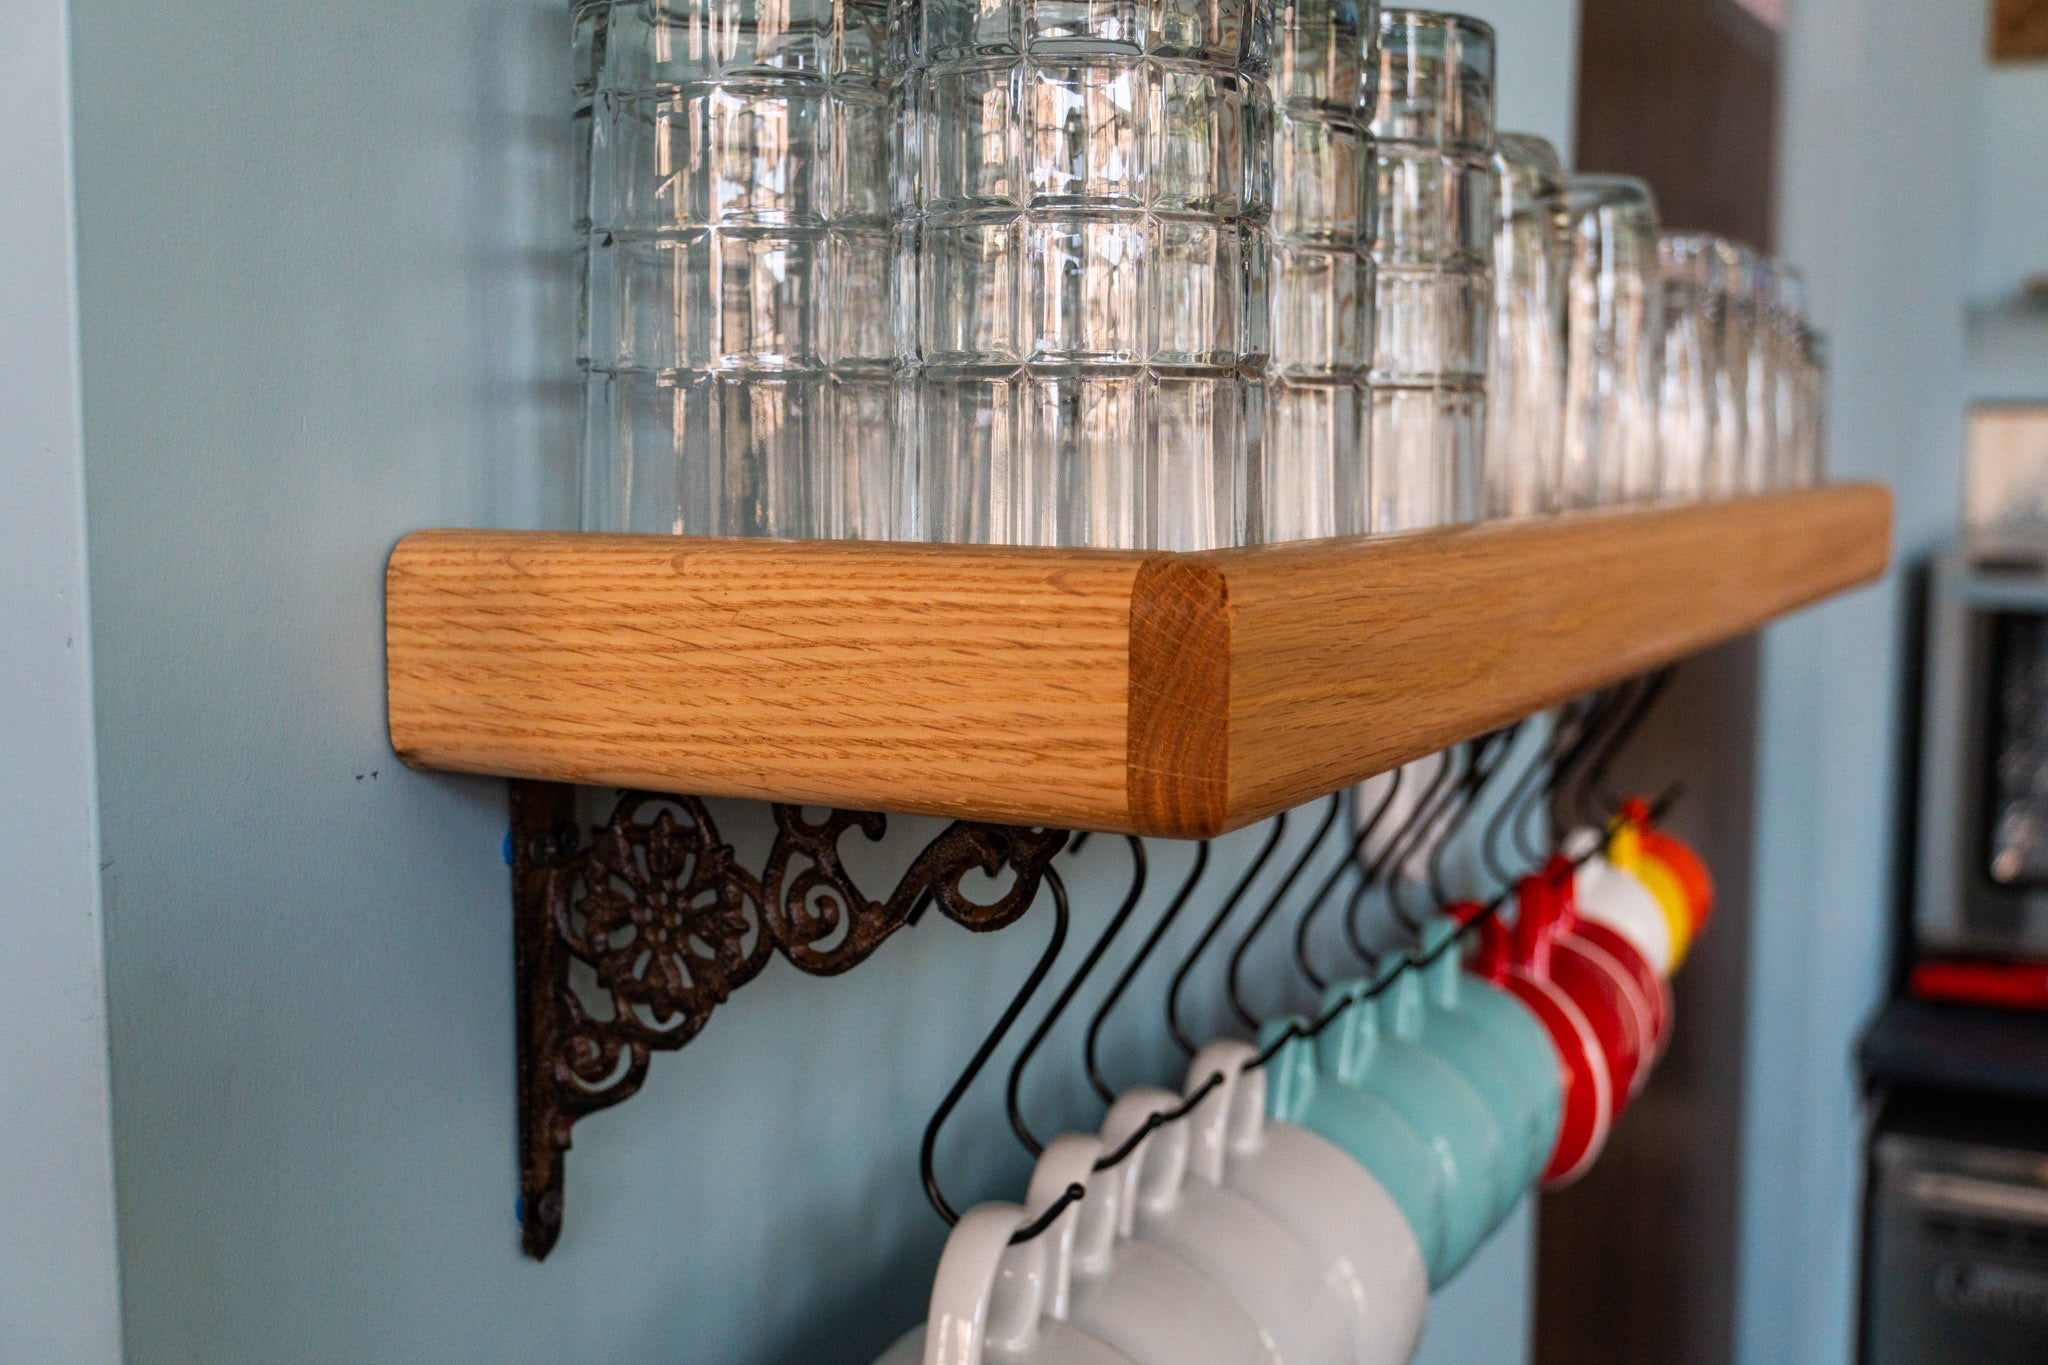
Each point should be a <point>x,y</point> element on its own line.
<point>1180,695</point>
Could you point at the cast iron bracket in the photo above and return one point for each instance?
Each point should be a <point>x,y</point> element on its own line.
<point>668,924</point>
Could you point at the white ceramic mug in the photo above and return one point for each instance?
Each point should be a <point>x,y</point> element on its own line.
<point>1332,1205</point>
<point>1607,895</point>
<point>1138,1297</point>
<point>1228,1238</point>
<point>988,1302</point>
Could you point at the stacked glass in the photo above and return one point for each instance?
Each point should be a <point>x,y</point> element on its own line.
<point>1810,431</point>
<point>1614,333</point>
<point>1089,214</point>
<point>1311,473</point>
<point>1792,457</point>
<point>1750,296</point>
<point>1138,273</point>
<point>737,313</point>
<point>1525,366</point>
<point>1432,248</point>
<point>1687,263</point>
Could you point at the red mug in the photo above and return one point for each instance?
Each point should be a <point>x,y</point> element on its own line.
<point>1589,1093</point>
<point>1547,944</point>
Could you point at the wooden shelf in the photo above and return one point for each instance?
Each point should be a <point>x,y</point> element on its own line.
<point>1176,695</point>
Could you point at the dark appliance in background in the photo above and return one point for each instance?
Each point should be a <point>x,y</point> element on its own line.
<point>1956,1226</point>
<point>1980,907</point>
<point>1956,1261</point>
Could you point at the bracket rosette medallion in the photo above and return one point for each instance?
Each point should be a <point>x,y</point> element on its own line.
<point>667,924</point>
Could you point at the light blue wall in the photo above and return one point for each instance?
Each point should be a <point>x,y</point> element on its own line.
<point>2008,336</point>
<point>57,1265</point>
<point>326,300</point>
<point>2008,229</point>
<point>1874,197</point>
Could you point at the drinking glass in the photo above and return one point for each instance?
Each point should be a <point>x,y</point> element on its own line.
<point>1686,263</point>
<point>1613,332</point>
<point>1432,245</point>
<point>738,294</point>
<point>1786,391</point>
<point>1735,318</point>
<point>1525,366</point>
<point>1812,431</point>
<point>1091,203</point>
<point>1312,467</point>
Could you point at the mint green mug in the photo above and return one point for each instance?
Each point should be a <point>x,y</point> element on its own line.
<point>1367,1129</point>
<point>1438,1103</point>
<point>1493,1040</point>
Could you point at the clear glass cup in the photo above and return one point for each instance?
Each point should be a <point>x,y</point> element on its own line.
<point>1313,468</point>
<point>738,294</point>
<point>1687,263</point>
<point>1434,207</point>
<point>1613,331</point>
<point>1092,193</point>
<point>1525,369</point>
<point>1811,432</point>
<point>1785,391</point>
<point>1735,319</point>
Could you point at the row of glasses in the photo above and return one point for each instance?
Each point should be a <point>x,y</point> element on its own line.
<point>1634,364</point>
<point>1150,273</point>
<point>1741,398</point>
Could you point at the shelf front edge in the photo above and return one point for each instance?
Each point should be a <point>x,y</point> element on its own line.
<point>935,680</point>
<point>1351,659</point>
<point>1175,695</point>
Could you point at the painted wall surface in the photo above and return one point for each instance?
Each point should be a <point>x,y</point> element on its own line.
<point>1538,58</point>
<point>2008,227</point>
<point>1874,201</point>
<point>58,1299</point>
<point>326,299</point>
<point>2008,336</point>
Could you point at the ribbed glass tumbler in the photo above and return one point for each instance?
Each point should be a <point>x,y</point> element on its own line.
<point>1735,319</point>
<point>1614,336</point>
<point>1091,194</point>
<point>1525,367</point>
<point>738,304</point>
<point>1688,265</point>
<point>1432,247</point>
<point>1312,467</point>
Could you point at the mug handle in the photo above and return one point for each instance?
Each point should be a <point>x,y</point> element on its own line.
<point>1536,902</point>
<point>1291,1075</point>
<point>1243,1093</point>
<point>1160,1166</point>
<point>1345,1049</point>
<point>1444,974</point>
<point>985,1292</point>
<point>1246,1122</point>
<point>1085,1234</point>
<point>1209,1125</point>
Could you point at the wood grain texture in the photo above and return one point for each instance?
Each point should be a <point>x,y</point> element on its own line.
<point>946,681</point>
<point>1179,695</point>
<point>1380,651</point>
<point>1178,753</point>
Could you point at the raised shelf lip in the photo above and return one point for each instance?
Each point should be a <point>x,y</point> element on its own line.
<point>1180,695</point>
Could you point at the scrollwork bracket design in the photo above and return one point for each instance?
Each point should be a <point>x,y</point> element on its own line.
<point>629,935</point>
